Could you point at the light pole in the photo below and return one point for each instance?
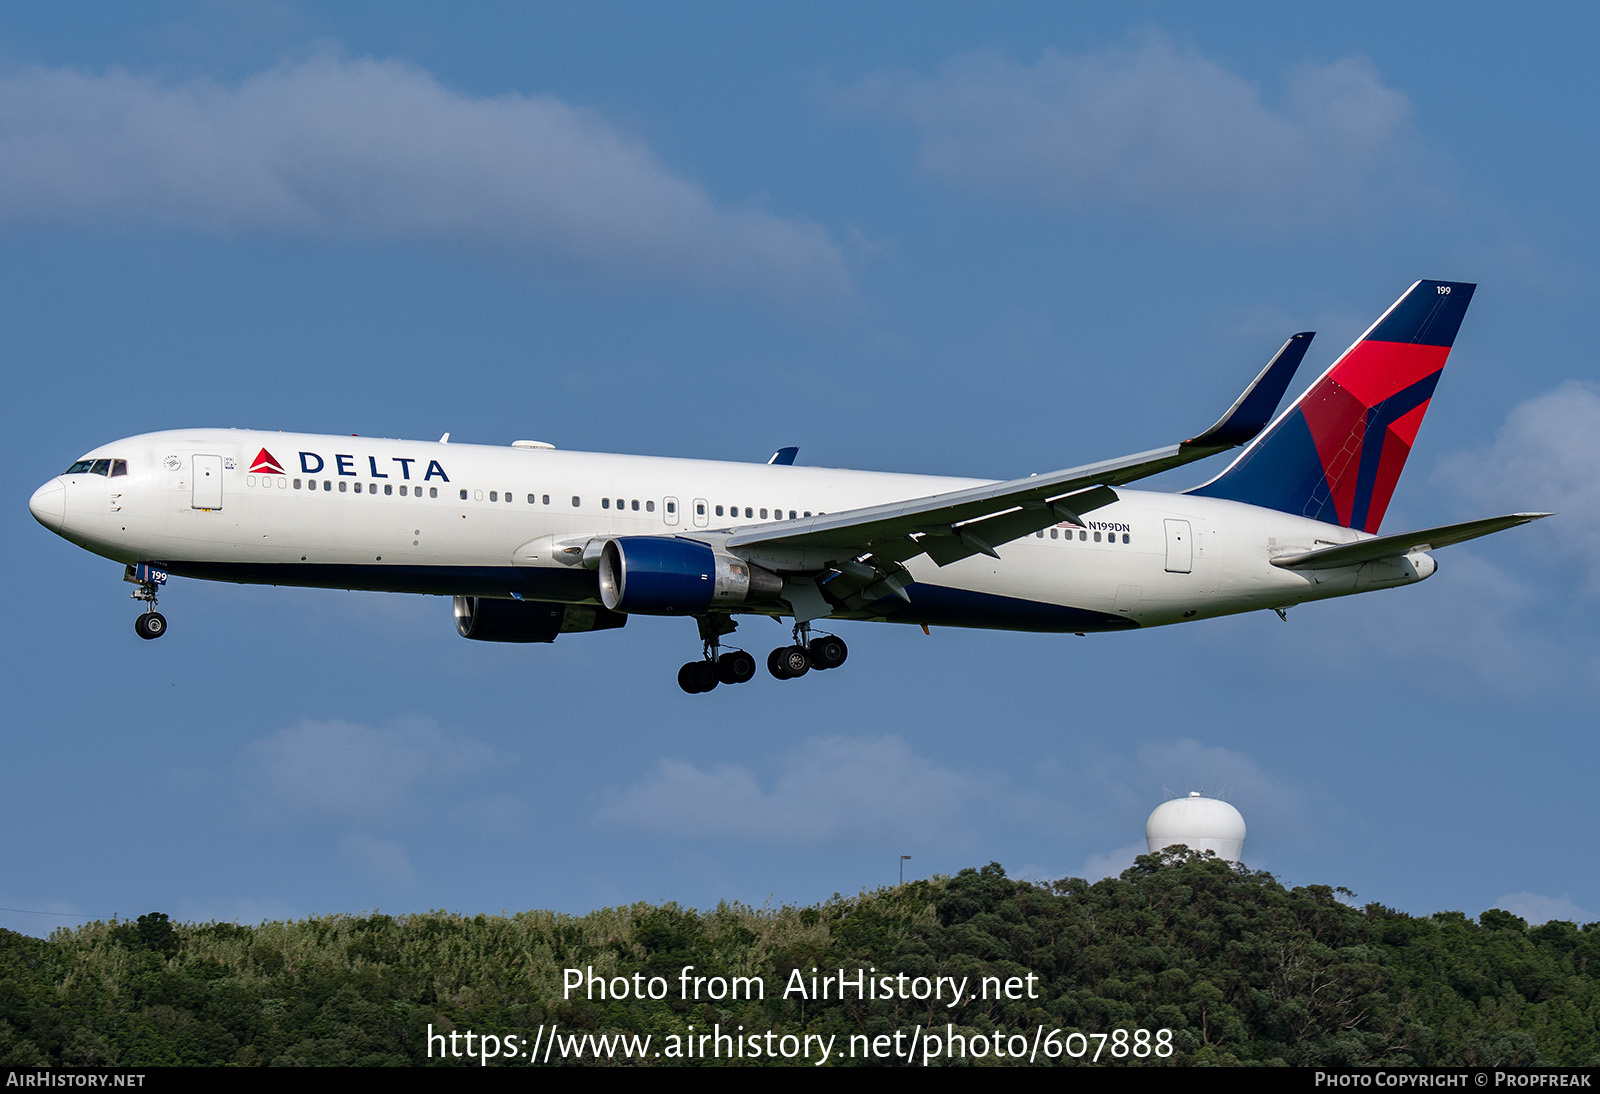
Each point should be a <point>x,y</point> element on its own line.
<point>903,868</point>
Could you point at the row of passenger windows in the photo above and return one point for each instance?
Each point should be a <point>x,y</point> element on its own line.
<point>635,505</point>
<point>1083,536</point>
<point>344,486</point>
<point>110,468</point>
<point>749,512</point>
<point>620,504</point>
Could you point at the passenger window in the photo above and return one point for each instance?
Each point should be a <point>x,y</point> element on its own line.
<point>719,510</point>
<point>749,512</point>
<point>433,492</point>
<point>576,501</point>
<point>546,499</point>
<point>1097,537</point>
<point>791,514</point>
<point>672,507</point>
<point>649,507</point>
<point>700,508</point>
<point>530,499</point>
<point>388,489</point>
<point>605,503</point>
<point>635,505</point>
<point>463,495</point>
<point>1083,536</point>
<point>494,495</point>
<point>297,484</point>
<point>1125,538</point>
<point>1054,532</point>
<point>343,486</point>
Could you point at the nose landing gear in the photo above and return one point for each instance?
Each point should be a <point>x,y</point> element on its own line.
<point>150,623</point>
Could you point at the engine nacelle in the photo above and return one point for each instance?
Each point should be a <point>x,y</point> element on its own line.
<point>660,575</point>
<point>485,619</point>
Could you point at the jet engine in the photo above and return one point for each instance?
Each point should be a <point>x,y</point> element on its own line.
<point>484,619</point>
<point>658,575</point>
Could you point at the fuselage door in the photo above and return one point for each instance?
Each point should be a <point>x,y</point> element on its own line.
<point>702,513</point>
<point>207,482</point>
<point>1180,547</point>
<point>669,510</point>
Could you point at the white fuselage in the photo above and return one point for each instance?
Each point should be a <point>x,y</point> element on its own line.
<point>409,516</point>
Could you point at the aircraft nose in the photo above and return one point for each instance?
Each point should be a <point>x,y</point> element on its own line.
<point>49,505</point>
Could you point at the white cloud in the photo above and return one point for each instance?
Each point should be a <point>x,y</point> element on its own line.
<point>1536,908</point>
<point>828,789</point>
<point>1160,129</point>
<point>1544,458</point>
<point>1470,628</point>
<point>346,769</point>
<point>334,147</point>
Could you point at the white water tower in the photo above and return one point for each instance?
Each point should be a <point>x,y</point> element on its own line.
<point>1197,822</point>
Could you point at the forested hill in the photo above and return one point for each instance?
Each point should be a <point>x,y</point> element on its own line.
<point>1238,968</point>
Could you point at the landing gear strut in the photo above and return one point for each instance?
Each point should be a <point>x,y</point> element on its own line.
<point>150,623</point>
<point>823,651</point>
<point>826,651</point>
<point>716,667</point>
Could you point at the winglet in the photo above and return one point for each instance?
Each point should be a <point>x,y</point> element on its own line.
<point>1251,412</point>
<point>785,456</point>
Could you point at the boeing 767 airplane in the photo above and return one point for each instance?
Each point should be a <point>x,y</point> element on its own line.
<point>533,542</point>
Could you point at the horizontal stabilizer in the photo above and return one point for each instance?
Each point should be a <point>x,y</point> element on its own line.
<point>1401,543</point>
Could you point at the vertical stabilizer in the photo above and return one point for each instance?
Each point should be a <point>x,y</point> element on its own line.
<point>1337,453</point>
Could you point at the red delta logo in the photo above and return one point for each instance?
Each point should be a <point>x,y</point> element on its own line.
<point>265,464</point>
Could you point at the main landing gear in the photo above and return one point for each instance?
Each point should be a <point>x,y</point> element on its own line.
<point>150,623</point>
<point>716,667</point>
<point>826,651</point>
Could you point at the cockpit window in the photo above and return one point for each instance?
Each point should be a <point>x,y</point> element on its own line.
<point>99,467</point>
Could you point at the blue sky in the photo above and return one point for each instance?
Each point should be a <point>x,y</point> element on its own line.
<point>929,238</point>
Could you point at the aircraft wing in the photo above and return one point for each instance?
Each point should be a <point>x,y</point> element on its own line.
<point>1401,543</point>
<point>955,525</point>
